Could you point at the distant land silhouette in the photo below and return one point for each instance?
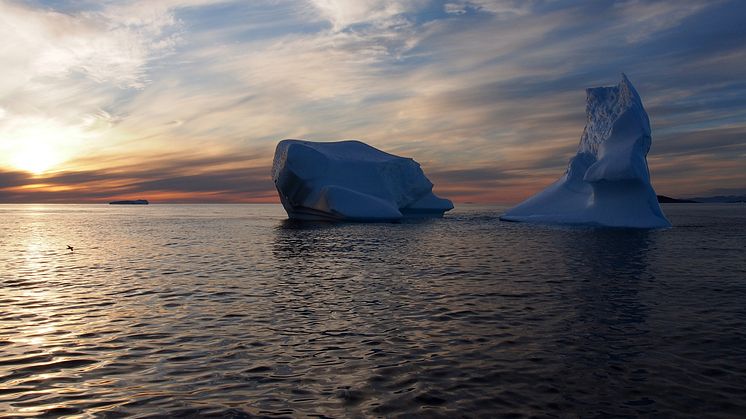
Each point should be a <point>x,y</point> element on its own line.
<point>720,199</point>
<point>730,199</point>
<point>663,199</point>
<point>130,202</point>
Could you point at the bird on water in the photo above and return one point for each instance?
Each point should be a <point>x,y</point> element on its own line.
<point>70,247</point>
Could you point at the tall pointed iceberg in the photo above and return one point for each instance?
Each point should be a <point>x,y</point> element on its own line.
<point>607,183</point>
<point>351,181</point>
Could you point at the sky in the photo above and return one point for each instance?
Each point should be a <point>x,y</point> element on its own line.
<point>185,100</point>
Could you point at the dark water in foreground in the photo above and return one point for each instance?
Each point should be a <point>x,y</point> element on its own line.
<point>229,310</point>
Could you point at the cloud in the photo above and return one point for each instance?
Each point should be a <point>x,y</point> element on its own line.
<point>716,142</point>
<point>383,13</point>
<point>65,71</point>
<point>502,8</point>
<point>13,179</point>
<point>106,46</point>
<point>641,19</point>
<point>486,94</point>
<point>227,178</point>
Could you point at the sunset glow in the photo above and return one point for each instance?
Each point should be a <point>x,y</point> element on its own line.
<point>37,145</point>
<point>185,100</point>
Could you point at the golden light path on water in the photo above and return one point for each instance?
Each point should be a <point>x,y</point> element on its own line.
<point>47,328</point>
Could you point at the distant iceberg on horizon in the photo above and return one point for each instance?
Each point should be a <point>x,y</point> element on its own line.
<point>351,181</point>
<point>607,183</point>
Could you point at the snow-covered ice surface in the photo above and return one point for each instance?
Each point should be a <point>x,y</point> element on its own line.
<point>351,181</point>
<point>608,182</point>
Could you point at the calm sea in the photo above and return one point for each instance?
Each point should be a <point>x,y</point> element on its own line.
<point>233,311</point>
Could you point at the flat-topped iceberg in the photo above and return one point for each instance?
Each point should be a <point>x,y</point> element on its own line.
<point>607,183</point>
<point>351,181</point>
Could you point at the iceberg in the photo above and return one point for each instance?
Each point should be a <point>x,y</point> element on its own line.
<point>351,181</point>
<point>607,183</point>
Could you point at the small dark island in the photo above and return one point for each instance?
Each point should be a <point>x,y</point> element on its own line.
<point>130,202</point>
<point>668,200</point>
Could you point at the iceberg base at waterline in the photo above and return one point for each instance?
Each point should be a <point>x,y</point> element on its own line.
<point>351,181</point>
<point>607,183</point>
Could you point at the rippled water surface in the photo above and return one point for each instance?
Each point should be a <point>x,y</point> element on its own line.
<point>230,310</point>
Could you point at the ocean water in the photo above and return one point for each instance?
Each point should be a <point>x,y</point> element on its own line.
<point>233,311</point>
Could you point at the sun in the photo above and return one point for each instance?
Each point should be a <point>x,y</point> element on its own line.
<point>37,145</point>
<point>36,159</point>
